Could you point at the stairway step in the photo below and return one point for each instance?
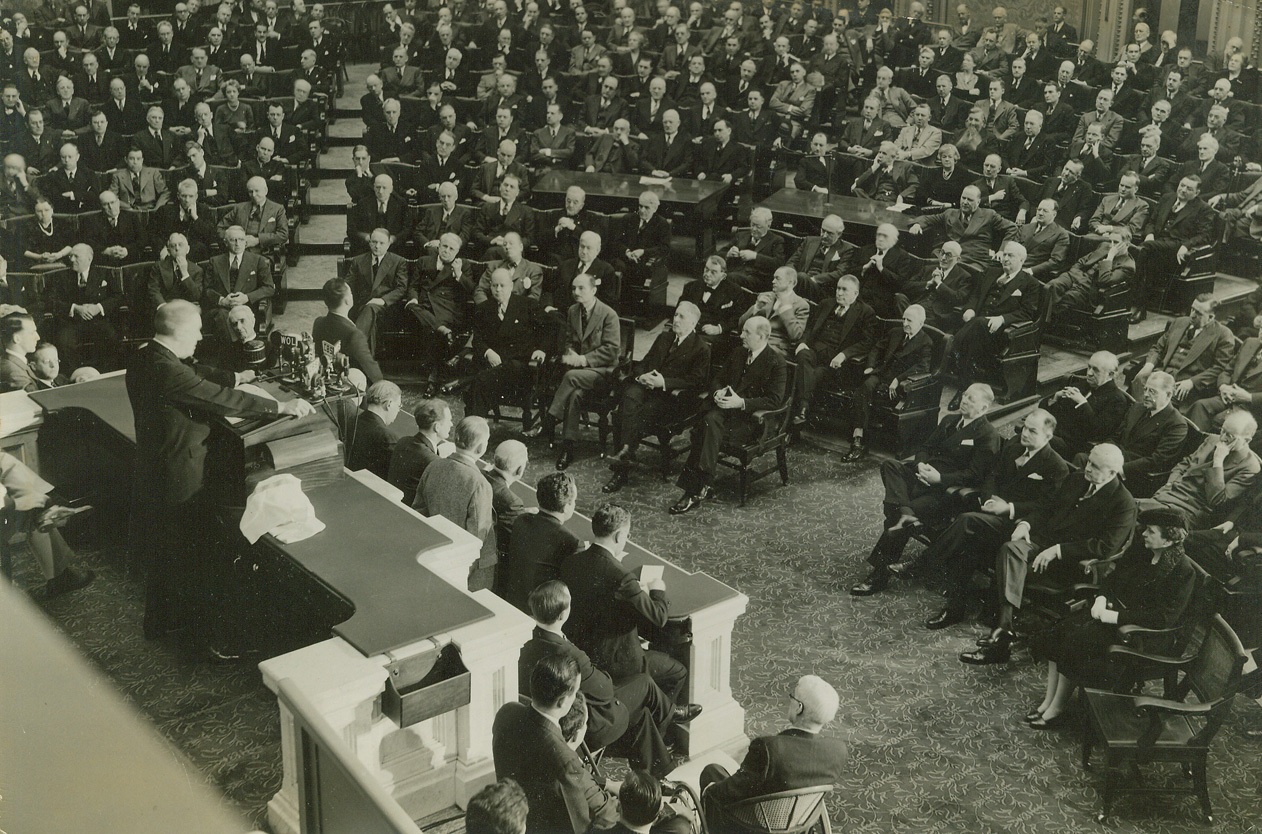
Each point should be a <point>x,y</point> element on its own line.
<point>305,248</point>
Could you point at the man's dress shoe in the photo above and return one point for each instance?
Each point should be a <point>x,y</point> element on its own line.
<point>71,578</point>
<point>858,451</point>
<point>1000,651</point>
<point>946,617</point>
<point>617,482</point>
<point>565,459</point>
<point>689,502</point>
<point>877,581</point>
<point>683,713</point>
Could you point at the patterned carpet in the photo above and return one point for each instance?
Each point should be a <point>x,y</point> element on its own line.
<point>935,746</point>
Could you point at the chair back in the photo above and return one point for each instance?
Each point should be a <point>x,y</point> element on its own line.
<point>1217,669</point>
<point>786,812</point>
<point>626,336</point>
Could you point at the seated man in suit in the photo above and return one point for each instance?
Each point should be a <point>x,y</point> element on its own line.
<point>822,259</point>
<point>508,214</point>
<point>1150,436</point>
<point>664,387</point>
<point>889,179</point>
<point>611,605</point>
<point>1089,414</point>
<point>787,311</point>
<point>1194,349</point>
<point>719,300</point>
<point>1239,386</point>
<point>1180,222</point>
<point>614,152</point>
<point>386,210</point>
<point>378,280</point>
<point>1206,483</point>
<point>592,342</point>
<point>46,367</point>
<point>1105,268</point>
<point>815,169</point>
<point>411,455</point>
<point>644,243</point>
<point>944,288</point>
<point>835,345</point>
<point>263,220</point>
<point>237,277</point>
<point>138,186</point>
<point>919,140</point>
<point>630,715</point>
<point>755,253</point>
<point>175,275</point>
<point>371,442</point>
<point>669,153</point>
<point>798,757</point>
<point>436,298</point>
<point>1091,517</point>
<point>85,307</point>
<point>541,542</point>
<point>486,182</point>
<point>528,748</point>
<point>455,488</point>
<point>36,513</point>
<point>509,339</point>
<point>1046,241</point>
<point>960,452</point>
<point>887,273</point>
<point>979,231</point>
<point>1151,170</point>
<point>337,328</point>
<point>1026,476</point>
<point>897,355</point>
<point>445,218</point>
<point>19,336</point>
<point>69,187</point>
<point>114,236</point>
<point>752,380</point>
<point>1123,208</point>
<point>1003,297</point>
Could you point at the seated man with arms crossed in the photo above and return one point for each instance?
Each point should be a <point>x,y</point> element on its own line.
<point>797,757</point>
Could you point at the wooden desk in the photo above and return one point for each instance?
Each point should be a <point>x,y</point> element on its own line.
<point>708,609</point>
<point>615,192</point>
<point>804,209</point>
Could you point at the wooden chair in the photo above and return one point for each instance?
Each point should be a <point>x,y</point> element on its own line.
<point>786,812</point>
<point>1137,730</point>
<point>776,432</point>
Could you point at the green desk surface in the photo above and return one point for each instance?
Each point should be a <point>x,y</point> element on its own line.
<point>854,210</point>
<point>688,592</point>
<point>367,555</point>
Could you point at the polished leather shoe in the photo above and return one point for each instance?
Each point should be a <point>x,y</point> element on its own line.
<point>1033,715</point>
<point>858,451</point>
<point>1138,315</point>
<point>996,637</point>
<point>57,516</point>
<point>905,522</point>
<point>565,459</point>
<point>905,570</point>
<point>948,616</point>
<point>683,713</point>
<point>877,581</point>
<point>954,405</point>
<point>986,655</point>
<point>690,502</point>
<point>621,456</point>
<point>617,482</point>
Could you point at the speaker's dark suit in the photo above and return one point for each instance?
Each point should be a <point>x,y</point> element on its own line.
<point>963,455</point>
<point>173,405</point>
<point>685,367</point>
<point>761,384</point>
<point>675,159</point>
<point>333,328</point>
<point>388,282</point>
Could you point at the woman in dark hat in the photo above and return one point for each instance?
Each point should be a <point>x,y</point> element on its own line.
<point>1151,586</point>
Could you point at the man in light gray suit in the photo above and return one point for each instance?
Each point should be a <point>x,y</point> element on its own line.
<point>592,344</point>
<point>139,187</point>
<point>455,488</point>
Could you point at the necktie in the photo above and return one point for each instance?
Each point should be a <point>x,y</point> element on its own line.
<point>1038,229</point>
<point>502,311</point>
<point>582,320</point>
<point>234,272</point>
<point>83,280</point>
<point>135,184</point>
<point>376,265</point>
<point>1024,459</point>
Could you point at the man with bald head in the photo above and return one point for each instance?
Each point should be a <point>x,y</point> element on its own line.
<point>70,188</point>
<point>1207,483</point>
<point>755,252</point>
<point>386,210</point>
<point>486,183</point>
<point>823,258</point>
<point>238,276</point>
<point>173,406</point>
<point>1091,516</point>
<point>448,217</point>
<point>798,757</point>
<point>263,220</point>
<point>662,388</point>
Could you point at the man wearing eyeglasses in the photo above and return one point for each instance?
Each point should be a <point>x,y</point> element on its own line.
<point>1208,481</point>
<point>800,756</point>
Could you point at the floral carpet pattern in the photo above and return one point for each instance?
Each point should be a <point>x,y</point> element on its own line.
<point>936,746</point>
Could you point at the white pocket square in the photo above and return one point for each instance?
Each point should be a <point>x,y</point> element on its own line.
<point>271,220</point>
<point>1034,476</point>
<point>1016,293</point>
<point>728,304</point>
<point>968,442</point>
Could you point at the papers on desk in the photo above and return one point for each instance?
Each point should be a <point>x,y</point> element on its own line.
<point>650,574</point>
<point>654,180</point>
<point>250,388</point>
<point>898,206</point>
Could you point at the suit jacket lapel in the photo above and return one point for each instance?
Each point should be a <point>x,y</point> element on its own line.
<point>1198,346</point>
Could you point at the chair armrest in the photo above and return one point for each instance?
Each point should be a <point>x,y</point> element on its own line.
<point>1128,630</point>
<point>1157,659</point>
<point>1149,704</point>
<point>963,492</point>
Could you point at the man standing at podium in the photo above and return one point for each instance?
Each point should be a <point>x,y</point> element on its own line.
<point>173,404</point>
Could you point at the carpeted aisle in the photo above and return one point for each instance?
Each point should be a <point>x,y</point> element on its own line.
<point>935,746</point>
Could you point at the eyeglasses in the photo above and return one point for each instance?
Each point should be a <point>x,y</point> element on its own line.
<point>793,697</point>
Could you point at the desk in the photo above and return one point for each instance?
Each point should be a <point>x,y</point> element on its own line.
<point>615,192</point>
<point>709,609</point>
<point>862,216</point>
